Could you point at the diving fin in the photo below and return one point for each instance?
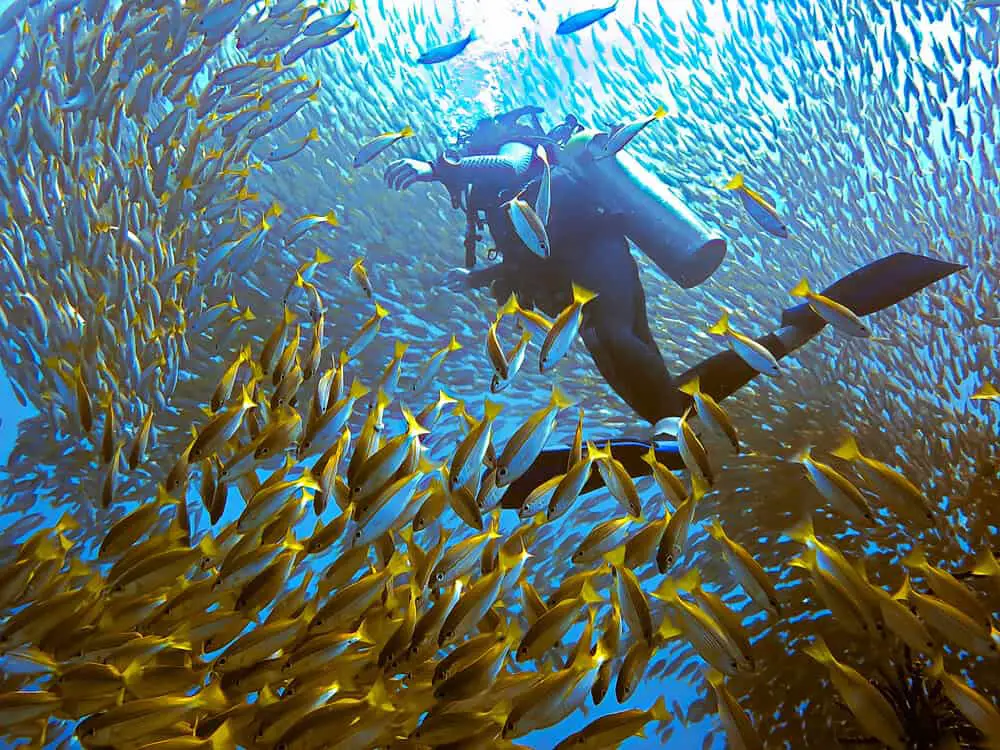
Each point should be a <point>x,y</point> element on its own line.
<point>552,461</point>
<point>874,287</point>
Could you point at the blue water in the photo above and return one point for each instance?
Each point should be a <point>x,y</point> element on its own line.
<point>870,126</point>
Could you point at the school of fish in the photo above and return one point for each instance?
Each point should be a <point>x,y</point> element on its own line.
<point>258,504</point>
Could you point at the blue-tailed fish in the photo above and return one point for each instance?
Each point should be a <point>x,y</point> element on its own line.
<point>583,19</point>
<point>447,51</point>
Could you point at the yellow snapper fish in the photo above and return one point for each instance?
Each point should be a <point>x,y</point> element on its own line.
<point>753,353</point>
<point>528,441</point>
<point>528,226</point>
<point>834,313</point>
<point>874,713</point>
<point>564,329</point>
<point>380,143</point>
<point>759,206</point>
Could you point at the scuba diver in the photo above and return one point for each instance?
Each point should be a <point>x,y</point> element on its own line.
<point>599,202</point>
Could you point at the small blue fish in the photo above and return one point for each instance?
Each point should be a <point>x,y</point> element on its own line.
<point>446,51</point>
<point>585,18</point>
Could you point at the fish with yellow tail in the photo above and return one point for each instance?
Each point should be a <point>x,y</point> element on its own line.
<point>433,365</point>
<point>359,275</point>
<point>380,143</point>
<point>613,729</point>
<point>621,137</point>
<point>759,206</point>
<point>739,729</point>
<point>839,316</point>
<point>753,353</point>
<point>710,413</point>
<point>747,570</point>
<point>871,709</point>
<point>986,392</point>
<point>529,226</point>
<point>898,492</point>
<point>835,488</point>
<point>564,330</point>
<point>617,479</point>
<point>976,707</point>
<point>528,441</point>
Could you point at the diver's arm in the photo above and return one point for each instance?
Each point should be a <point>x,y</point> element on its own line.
<point>460,279</point>
<point>511,167</point>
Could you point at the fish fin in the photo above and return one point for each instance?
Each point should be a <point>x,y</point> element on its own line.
<point>803,530</point>
<point>820,651</point>
<point>722,327</point>
<point>916,559</point>
<point>560,399</point>
<point>692,387</point>
<point>736,183</point>
<point>582,296</point>
<point>801,289</point>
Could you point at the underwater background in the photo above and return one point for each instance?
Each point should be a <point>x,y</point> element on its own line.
<point>872,126</point>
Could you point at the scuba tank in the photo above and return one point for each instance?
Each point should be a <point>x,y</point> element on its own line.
<point>654,218</point>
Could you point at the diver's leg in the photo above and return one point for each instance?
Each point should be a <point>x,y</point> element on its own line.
<point>633,368</point>
<point>873,287</point>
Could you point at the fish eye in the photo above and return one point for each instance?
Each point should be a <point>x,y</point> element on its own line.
<point>221,661</point>
<point>439,577</point>
<point>502,471</point>
<point>357,535</point>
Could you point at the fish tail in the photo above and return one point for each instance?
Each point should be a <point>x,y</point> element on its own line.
<point>320,258</point>
<point>359,390</point>
<point>331,219</point>
<point>692,387</point>
<point>722,327</point>
<point>582,296</point>
<point>848,449</point>
<point>916,558</point>
<point>453,345</point>
<point>714,677</point>
<point>660,113</point>
<point>736,183</point>
<point>406,132</point>
<point>802,531</point>
<point>801,289</point>
<point>510,307</point>
<point>560,399</point>
<point>659,710</point>
<point>491,409</point>
<point>715,529</point>
<point>820,651</point>
<point>380,312</point>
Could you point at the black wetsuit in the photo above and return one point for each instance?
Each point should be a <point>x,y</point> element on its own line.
<point>588,247</point>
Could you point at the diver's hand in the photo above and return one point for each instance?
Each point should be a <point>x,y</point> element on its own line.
<point>404,172</point>
<point>457,280</point>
